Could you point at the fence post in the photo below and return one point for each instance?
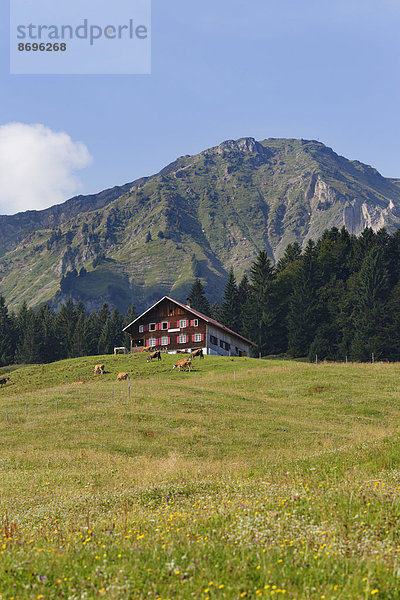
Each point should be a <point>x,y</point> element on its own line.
<point>316,360</point>
<point>346,359</point>
<point>373,358</point>
<point>283,364</point>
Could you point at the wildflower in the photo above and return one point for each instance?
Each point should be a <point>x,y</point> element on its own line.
<point>374,592</point>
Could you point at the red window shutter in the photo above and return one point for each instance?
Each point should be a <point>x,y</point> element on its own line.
<point>193,338</point>
<point>169,325</point>
<point>157,327</point>
<point>169,340</point>
<point>191,323</point>
<point>202,337</point>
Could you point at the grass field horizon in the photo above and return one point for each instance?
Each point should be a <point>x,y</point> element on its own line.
<point>243,478</point>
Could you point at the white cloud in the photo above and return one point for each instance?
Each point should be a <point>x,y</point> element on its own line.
<point>37,167</point>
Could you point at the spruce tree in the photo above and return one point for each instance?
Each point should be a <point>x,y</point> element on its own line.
<point>130,316</point>
<point>243,298</point>
<point>229,313</point>
<point>259,313</point>
<point>65,326</point>
<point>28,350</point>
<point>198,299</point>
<point>370,300</point>
<point>302,315</point>
<point>49,346</point>
<point>8,335</point>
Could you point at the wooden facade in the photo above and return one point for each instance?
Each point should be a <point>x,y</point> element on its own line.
<point>175,327</point>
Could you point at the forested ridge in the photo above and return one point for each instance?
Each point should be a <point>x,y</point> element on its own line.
<point>337,298</point>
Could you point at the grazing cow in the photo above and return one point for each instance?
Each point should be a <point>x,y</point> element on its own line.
<point>122,376</point>
<point>146,348</point>
<point>197,352</point>
<point>99,369</point>
<point>4,381</point>
<point>183,364</point>
<point>120,350</point>
<point>156,354</point>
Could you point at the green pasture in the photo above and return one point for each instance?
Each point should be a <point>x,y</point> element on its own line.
<point>244,478</point>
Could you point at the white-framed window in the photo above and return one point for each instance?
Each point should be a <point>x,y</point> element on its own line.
<point>183,323</point>
<point>141,328</point>
<point>152,327</point>
<point>164,325</point>
<point>152,342</point>
<point>195,322</point>
<point>182,339</point>
<point>164,341</point>
<point>197,337</point>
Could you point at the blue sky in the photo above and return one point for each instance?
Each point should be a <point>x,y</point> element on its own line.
<point>313,69</point>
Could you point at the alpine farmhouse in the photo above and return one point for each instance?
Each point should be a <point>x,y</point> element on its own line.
<point>173,327</point>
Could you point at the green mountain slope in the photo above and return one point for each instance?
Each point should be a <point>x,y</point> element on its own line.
<point>198,217</point>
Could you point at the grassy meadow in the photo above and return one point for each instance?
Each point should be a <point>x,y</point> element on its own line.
<point>241,479</point>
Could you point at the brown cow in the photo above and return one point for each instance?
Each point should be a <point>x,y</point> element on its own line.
<point>122,376</point>
<point>99,369</point>
<point>146,348</point>
<point>4,381</point>
<point>183,364</point>
<point>197,352</point>
<point>156,354</point>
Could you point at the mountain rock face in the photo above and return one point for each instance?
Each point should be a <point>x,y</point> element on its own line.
<point>198,217</point>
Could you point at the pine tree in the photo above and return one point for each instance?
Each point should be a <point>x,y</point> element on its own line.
<point>198,299</point>
<point>229,313</point>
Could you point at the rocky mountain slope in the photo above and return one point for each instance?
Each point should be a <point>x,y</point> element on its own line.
<point>197,217</point>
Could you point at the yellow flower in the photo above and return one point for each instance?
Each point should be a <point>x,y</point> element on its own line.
<point>374,592</point>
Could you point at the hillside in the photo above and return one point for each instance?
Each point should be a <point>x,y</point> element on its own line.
<point>198,217</point>
<point>242,479</point>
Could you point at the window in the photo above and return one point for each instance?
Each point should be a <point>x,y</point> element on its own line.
<point>198,337</point>
<point>213,340</point>
<point>164,341</point>
<point>152,327</point>
<point>182,339</point>
<point>164,325</point>
<point>152,342</point>
<point>141,328</point>
<point>183,323</point>
<point>195,323</point>
<point>227,346</point>
<point>221,343</point>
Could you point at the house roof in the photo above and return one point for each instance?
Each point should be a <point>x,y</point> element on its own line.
<point>194,312</point>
